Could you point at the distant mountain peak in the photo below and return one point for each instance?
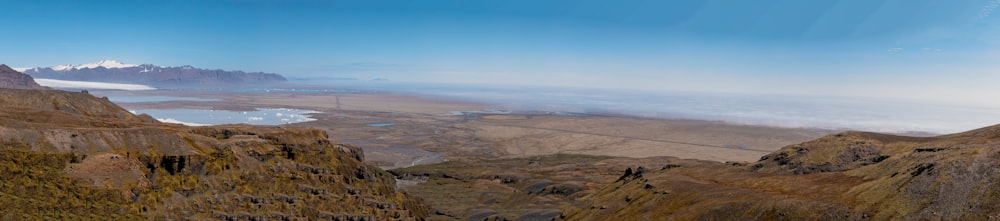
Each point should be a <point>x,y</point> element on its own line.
<point>102,63</point>
<point>113,64</point>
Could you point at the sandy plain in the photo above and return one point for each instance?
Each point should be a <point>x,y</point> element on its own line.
<point>425,130</point>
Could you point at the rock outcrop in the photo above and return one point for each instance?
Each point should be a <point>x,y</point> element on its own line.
<point>10,78</point>
<point>70,155</point>
<point>844,176</point>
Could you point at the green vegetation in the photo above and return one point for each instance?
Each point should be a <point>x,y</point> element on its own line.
<point>534,188</point>
<point>141,169</point>
<point>34,187</point>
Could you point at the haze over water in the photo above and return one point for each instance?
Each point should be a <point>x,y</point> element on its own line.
<point>837,113</point>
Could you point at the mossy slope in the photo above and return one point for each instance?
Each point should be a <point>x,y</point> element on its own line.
<point>70,155</point>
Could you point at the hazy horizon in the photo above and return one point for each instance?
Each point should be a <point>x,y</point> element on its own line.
<point>902,116</point>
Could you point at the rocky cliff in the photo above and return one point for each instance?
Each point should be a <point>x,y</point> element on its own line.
<point>70,155</point>
<point>845,176</point>
<point>10,78</point>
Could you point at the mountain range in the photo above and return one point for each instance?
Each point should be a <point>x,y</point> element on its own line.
<point>117,72</point>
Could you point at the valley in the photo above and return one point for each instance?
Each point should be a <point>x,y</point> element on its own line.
<point>476,161</point>
<point>390,156</point>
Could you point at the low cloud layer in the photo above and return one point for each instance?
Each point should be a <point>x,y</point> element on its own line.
<point>840,113</point>
<point>91,85</point>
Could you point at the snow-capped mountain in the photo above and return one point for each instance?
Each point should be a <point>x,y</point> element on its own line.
<point>102,63</point>
<point>117,72</point>
<point>67,67</point>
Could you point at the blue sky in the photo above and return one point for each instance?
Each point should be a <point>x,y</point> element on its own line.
<point>936,50</point>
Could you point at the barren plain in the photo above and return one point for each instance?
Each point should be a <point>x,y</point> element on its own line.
<point>401,130</point>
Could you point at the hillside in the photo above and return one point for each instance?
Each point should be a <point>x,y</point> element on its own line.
<point>70,155</point>
<point>9,78</point>
<point>532,188</point>
<point>850,175</point>
<point>148,74</point>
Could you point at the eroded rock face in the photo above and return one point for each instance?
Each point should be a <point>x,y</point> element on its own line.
<point>834,153</point>
<point>10,78</point>
<point>166,171</point>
